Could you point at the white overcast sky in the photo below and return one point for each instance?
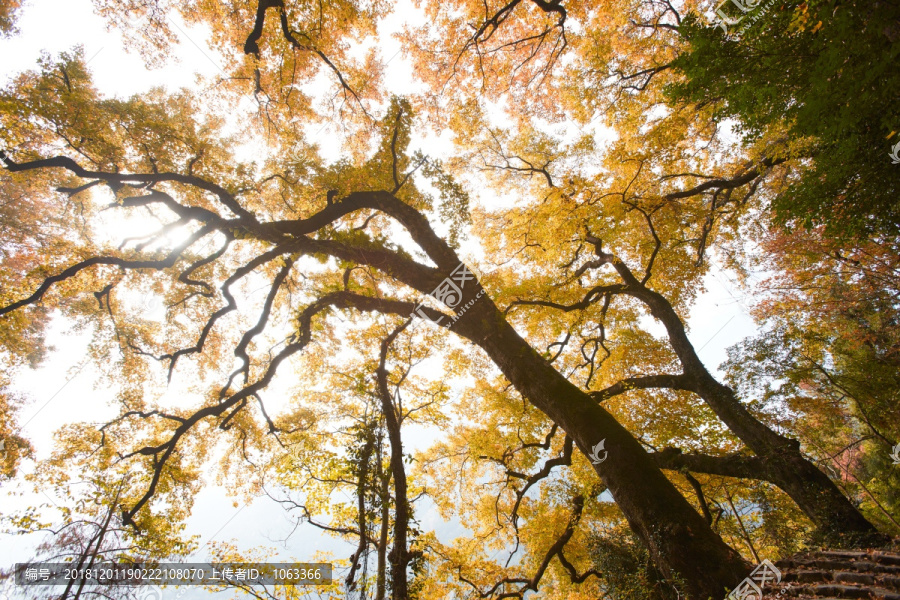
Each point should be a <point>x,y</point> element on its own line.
<point>718,320</point>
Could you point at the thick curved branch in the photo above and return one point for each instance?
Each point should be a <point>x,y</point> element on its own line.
<point>122,263</point>
<point>718,396</point>
<point>251,46</point>
<point>64,162</point>
<point>187,213</point>
<point>412,220</point>
<point>594,294</point>
<point>739,466</point>
<point>385,306</point>
<point>552,6</point>
<point>725,184</point>
<point>274,232</point>
<point>672,382</point>
<point>241,350</point>
<point>185,276</point>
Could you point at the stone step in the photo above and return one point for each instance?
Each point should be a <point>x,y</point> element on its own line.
<point>833,590</point>
<point>844,553</point>
<point>851,591</point>
<point>878,556</point>
<point>805,576</point>
<point>873,567</point>
<point>838,575</point>
<point>822,564</point>
<point>854,578</point>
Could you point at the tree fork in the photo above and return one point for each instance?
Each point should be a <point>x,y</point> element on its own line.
<point>785,466</point>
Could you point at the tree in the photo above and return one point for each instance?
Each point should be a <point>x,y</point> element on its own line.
<point>676,535</point>
<point>831,340</point>
<point>633,174</point>
<point>8,9</point>
<point>816,75</point>
<point>596,241</point>
<point>373,472</point>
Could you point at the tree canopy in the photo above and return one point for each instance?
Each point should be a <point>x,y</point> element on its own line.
<point>521,301</point>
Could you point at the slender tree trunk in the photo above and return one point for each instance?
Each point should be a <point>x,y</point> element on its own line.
<point>817,496</point>
<point>680,541</point>
<point>384,479</point>
<point>399,556</point>
<point>359,557</point>
<point>784,465</point>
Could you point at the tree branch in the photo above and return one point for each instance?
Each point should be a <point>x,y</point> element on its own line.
<point>672,382</point>
<point>64,162</point>
<point>739,466</point>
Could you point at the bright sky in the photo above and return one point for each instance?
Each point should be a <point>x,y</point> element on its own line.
<point>61,391</point>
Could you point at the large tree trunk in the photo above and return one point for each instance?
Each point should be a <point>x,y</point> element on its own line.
<point>682,544</point>
<point>836,518</point>
<point>785,466</point>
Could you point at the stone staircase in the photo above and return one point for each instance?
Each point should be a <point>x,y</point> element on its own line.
<point>866,574</point>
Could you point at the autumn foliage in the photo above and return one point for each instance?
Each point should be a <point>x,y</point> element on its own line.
<point>606,157</point>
